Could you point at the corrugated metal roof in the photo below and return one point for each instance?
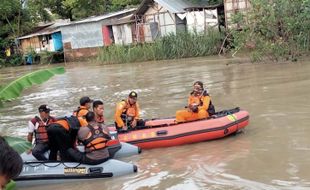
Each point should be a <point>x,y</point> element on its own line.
<point>101,17</point>
<point>173,6</point>
<point>50,29</point>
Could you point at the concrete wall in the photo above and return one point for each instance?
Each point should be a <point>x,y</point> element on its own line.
<point>79,54</point>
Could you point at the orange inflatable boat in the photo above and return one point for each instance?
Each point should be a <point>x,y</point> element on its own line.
<point>165,132</point>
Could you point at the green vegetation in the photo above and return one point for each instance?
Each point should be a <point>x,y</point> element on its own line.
<point>20,145</point>
<point>14,89</point>
<point>274,31</point>
<point>18,17</point>
<point>172,46</point>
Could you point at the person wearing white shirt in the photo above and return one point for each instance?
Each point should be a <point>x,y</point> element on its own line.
<point>37,127</point>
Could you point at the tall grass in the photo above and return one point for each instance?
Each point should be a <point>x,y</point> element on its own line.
<point>172,46</point>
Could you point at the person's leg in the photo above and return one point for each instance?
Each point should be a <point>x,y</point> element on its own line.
<point>140,124</point>
<point>60,140</point>
<point>202,114</point>
<point>184,115</point>
<point>52,142</point>
<point>39,150</point>
<point>75,155</point>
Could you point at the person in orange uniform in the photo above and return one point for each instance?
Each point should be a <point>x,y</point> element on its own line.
<point>37,126</point>
<point>83,109</point>
<point>127,114</point>
<point>62,136</point>
<point>199,105</point>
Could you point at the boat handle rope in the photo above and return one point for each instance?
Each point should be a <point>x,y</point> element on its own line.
<point>52,166</point>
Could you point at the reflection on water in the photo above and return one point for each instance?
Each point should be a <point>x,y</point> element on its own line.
<point>271,153</point>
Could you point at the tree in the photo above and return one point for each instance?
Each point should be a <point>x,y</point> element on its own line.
<point>275,29</point>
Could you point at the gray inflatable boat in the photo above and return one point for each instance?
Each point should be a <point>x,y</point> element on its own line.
<point>39,173</point>
<point>125,151</point>
<point>47,172</point>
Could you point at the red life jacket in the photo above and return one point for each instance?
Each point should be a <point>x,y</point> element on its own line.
<point>40,133</point>
<point>97,140</point>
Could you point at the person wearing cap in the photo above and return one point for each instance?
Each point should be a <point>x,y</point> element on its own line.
<point>127,114</point>
<point>83,109</point>
<point>199,105</point>
<point>37,126</point>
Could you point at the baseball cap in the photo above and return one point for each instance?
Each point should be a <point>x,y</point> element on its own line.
<point>44,108</point>
<point>133,94</point>
<point>84,100</point>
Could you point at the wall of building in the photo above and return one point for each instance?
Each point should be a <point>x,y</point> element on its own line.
<point>122,34</point>
<point>165,20</point>
<point>83,35</point>
<point>79,54</point>
<point>201,21</point>
<point>233,6</point>
<point>57,41</point>
<point>28,43</point>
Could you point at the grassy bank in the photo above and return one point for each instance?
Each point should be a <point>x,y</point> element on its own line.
<point>172,46</point>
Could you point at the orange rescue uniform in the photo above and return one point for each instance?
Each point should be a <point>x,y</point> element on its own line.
<point>64,123</point>
<point>81,111</point>
<point>124,107</point>
<point>189,115</point>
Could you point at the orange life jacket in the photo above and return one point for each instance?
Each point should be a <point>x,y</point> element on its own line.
<point>40,133</point>
<point>198,100</point>
<point>130,110</point>
<point>71,123</point>
<point>97,139</point>
<point>81,111</point>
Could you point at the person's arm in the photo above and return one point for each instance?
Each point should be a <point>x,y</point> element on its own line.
<point>206,102</point>
<point>137,111</point>
<point>31,128</point>
<point>118,112</point>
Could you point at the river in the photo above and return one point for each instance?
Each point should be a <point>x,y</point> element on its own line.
<point>273,152</point>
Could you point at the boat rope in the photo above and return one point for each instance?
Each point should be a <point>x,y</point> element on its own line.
<point>44,164</point>
<point>36,164</point>
<point>78,164</point>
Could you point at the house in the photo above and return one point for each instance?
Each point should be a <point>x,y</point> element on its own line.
<point>82,39</point>
<point>157,18</point>
<point>124,31</point>
<point>46,37</point>
<point>232,7</point>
